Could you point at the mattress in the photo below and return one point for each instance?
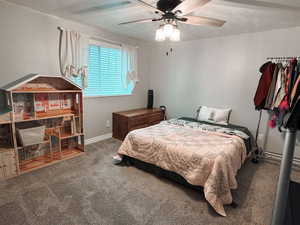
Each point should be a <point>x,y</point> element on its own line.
<point>206,155</point>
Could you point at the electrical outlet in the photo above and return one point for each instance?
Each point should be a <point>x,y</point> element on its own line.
<point>107,123</point>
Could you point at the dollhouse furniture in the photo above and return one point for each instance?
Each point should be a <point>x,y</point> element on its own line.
<point>41,123</point>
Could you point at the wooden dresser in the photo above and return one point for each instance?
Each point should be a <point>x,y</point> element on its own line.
<point>126,121</point>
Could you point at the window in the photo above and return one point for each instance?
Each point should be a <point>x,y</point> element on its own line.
<point>105,72</point>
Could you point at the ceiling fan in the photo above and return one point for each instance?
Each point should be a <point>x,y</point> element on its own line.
<point>173,11</point>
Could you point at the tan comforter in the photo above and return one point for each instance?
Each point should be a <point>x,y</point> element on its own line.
<point>207,159</point>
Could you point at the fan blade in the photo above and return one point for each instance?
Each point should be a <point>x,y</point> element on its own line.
<point>189,6</point>
<point>138,21</point>
<point>201,20</point>
<point>148,6</point>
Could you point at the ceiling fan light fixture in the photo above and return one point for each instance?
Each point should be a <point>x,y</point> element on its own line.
<point>175,34</point>
<point>172,12</point>
<point>160,35</point>
<point>168,30</point>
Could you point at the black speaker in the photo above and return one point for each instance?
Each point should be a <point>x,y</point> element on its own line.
<point>150,99</point>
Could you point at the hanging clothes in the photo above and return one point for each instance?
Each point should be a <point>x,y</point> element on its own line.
<point>278,90</point>
<point>284,104</point>
<point>292,118</point>
<point>296,88</point>
<point>295,92</point>
<point>267,71</point>
<point>269,100</point>
<point>297,71</point>
<point>283,107</point>
<point>291,76</point>
<point>282,91</point>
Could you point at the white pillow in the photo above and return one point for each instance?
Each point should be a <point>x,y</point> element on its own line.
<point>205,114</point>
<point>214,115</point>
<point>221,116</point>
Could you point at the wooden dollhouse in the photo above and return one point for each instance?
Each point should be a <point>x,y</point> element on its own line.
<point>41,123</point>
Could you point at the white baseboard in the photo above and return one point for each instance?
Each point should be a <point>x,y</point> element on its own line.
<point>97,138</point>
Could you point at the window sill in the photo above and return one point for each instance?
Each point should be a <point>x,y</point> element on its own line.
<point>106,96</point>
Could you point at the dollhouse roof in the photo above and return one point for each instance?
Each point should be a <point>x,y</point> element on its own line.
<point>54,82</point>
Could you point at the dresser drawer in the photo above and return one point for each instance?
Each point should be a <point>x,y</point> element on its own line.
<point>138,120</point>
<point>154,123</point>
<point>138,127</point>
<point>155,117</point>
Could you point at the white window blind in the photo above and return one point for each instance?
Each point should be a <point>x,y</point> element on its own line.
<point>105,73</point>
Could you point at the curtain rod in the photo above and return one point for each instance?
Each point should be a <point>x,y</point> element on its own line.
<point>97,38</point>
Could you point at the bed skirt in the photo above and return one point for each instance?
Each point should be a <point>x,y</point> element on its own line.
<point>157,171</point>
<point>150,168</point>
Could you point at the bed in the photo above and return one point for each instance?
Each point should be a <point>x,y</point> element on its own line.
<point>200,153</point>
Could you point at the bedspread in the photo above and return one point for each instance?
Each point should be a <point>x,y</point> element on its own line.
<point>203,158</point>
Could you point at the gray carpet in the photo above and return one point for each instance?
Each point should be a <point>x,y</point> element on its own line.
<point>89,190</point>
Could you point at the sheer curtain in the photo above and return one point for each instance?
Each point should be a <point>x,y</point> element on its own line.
<point>129,65</point>
<point>73,55</point>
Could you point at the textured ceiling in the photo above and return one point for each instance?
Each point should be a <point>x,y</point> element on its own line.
<point>241,15</point>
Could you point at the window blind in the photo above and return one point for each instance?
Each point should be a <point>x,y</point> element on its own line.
<point>105,73</point>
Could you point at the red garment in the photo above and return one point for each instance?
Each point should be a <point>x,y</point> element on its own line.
<point>261,94</point>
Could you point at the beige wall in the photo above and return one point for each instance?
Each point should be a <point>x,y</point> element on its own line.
<point>29,44</point>
<point>219,72</point>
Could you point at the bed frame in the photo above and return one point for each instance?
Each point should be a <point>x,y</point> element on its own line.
<point>150,168</point>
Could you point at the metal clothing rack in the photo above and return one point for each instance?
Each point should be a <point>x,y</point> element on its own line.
<point>282,193</point>
<point>285,58</point>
